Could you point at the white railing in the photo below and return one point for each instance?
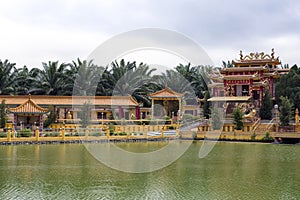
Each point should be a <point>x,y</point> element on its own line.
<point>255,125</point>
<point>271,123</point>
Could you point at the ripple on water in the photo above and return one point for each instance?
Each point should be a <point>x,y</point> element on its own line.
<point>230,171</point>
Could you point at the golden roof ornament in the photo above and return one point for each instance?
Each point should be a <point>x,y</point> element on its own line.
<point>241,55</point>
<point>257,56</point>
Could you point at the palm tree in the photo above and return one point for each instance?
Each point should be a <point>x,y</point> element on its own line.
<point>7,77</point>
<point>50,80</point>
<point>113,75</point>
<point>174,80</point>
<point>87,77</point>
<point>196,76</point>
<point>200,81</point>
<point>187,71</point>
<point>129,79</point>
<point>25,78</point>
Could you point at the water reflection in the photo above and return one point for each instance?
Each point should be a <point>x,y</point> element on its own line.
<point>231,170</point>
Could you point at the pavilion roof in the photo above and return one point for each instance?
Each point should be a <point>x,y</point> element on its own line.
<point>28,106</point>
<point>166,93</point>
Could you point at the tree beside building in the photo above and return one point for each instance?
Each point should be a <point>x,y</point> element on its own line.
<point>266,107</point>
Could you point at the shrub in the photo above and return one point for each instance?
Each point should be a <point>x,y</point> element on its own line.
<point>97,134</point>
<point>267,137</point>
<point>24,133</point>
<point>285,111</point>
<point>123,133</point>
<point>238,118</point>
<point>2,135</point>
<point>52,134</point>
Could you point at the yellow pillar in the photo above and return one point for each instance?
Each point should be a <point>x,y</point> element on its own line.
<point>86,133</point>
<point>107,133</point>
<point>37,134</point>
<point>162,132</point>
<point>177,132</point>
<point>8,135</point>
<point>297,117</point>
<point>63,134</point>
<point>145,130</point>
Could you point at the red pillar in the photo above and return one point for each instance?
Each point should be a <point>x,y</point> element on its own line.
<point>15,121</point>
<point>41,122</point>
<point>121,112</point>
<point>137,112</point>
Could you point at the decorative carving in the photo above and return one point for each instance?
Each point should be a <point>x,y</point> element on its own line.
<point>232,91</point>
<point>241,55</point>
<point>257,56</point>
<point>251,114</point>
<point>228,90</point>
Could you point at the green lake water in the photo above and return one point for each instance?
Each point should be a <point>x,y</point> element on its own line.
<point>230,171</point>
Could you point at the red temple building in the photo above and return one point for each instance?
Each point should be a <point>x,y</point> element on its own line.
<point>246,80</point>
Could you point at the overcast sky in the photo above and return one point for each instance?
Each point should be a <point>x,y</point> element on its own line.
<point>35,31</point>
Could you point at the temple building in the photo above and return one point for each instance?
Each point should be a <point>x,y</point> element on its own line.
<point>26,111</point>
<point>167,102</point>
<point>245,82</point>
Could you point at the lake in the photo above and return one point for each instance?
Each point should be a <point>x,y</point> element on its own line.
<point>230,171</point>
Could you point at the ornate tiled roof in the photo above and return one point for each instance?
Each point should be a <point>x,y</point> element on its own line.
<point>165,93</point>
<point>28,106</point>
<point>43,100</point>
<point>257,58</point>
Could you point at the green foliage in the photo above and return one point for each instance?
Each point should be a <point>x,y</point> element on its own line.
<point>285,111</point>
<point>97,134</point>
<point>50,80</point>
<point>85,114</point>
<point>51,118</point>
<point>206,105</point>
<point>266,107</point>
<point>24,133</point>
<point>288,86</point>
<point>216,121</point>
<point>3,115</point>
<point>52,134</point>
<point>7,77</point>
<point>166,118</point>
<point>86,79</point>
<point>128,79</point>
<point>253,136</point>
<point>267,137</point>
<point>2,135</point>
<point>238,118</point>
<point>111,128</point>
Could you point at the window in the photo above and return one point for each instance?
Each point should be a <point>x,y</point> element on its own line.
<point>101,115</point>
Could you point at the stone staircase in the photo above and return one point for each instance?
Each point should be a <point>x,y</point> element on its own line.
<point>261,128</point>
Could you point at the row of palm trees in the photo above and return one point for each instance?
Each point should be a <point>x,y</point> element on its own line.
<point>86,78</point>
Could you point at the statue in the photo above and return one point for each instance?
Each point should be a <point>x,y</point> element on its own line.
<point>251,115</point>
<point>227,91</point>
<point>232,91</point>
<point>69,115</point>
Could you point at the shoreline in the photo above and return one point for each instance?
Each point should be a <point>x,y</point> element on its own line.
<point>126,140</point>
